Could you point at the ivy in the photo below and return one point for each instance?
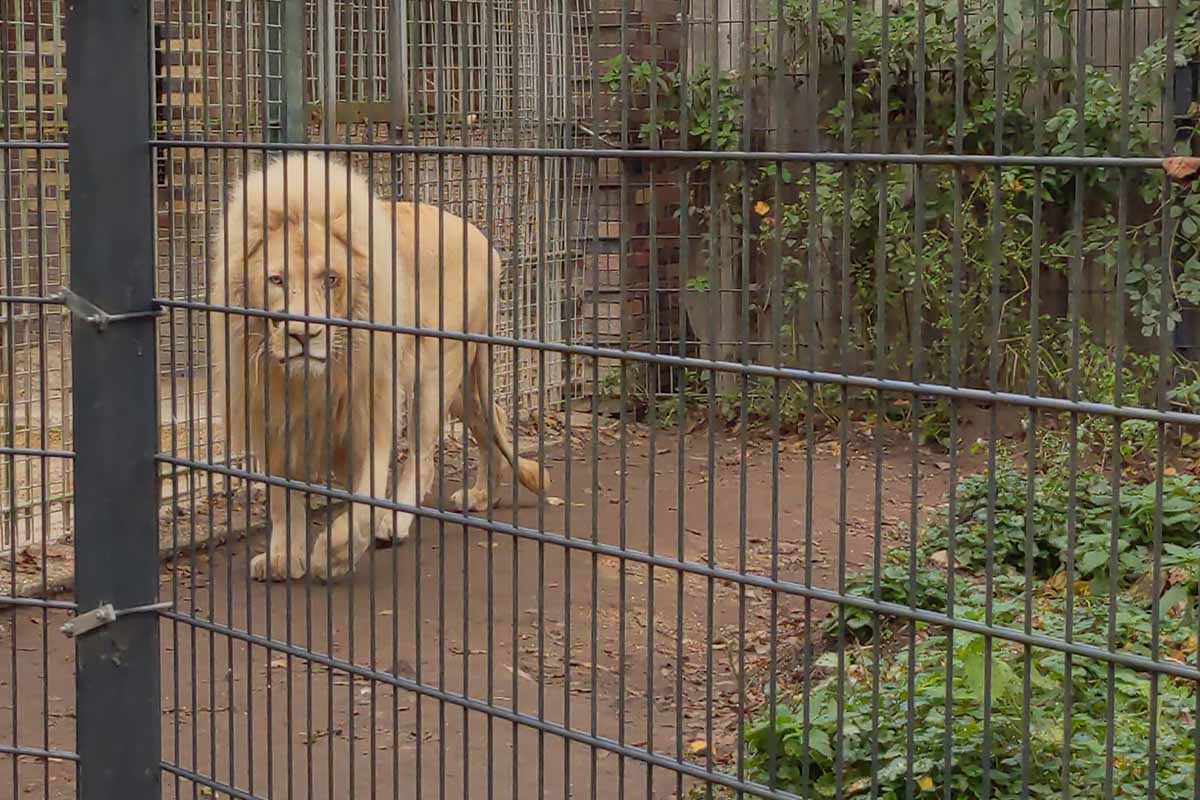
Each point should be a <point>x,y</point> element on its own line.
<point>982,220</point>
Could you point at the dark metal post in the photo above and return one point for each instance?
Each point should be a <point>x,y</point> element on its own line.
<point>116,495</point>
<point>292,47</point>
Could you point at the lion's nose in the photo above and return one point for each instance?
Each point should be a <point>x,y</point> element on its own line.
<point>301,331</point>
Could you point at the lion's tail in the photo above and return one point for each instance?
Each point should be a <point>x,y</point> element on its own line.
<point>526,470</point>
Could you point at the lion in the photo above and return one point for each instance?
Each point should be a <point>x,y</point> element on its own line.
<point>305,239</point>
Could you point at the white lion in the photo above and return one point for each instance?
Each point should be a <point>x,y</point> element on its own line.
<point>314,401</point>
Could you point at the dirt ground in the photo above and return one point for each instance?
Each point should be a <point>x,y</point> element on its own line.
<point>589,643</point>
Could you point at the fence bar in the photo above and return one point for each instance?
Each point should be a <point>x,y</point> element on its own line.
<point>116,500</point>
<point>761,156</point>
<point>981,396</point>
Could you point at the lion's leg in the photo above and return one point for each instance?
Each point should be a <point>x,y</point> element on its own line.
<point>424,428</point>
<point>287,538</point>
<point>351,534</point>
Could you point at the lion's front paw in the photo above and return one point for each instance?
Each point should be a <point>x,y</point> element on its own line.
<point>385,528</point>
<point>331,568</point>
<point>470,500</point>
<point>276,566</point>
<point>330,557</point>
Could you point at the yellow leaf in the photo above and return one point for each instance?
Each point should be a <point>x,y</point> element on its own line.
<point>697,747</point>
<point>1169,471</point>
<point>926,783</point>
<point>762,208</point>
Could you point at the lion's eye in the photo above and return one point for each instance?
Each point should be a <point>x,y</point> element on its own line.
<point>332,280</point>
<point>276,279</point>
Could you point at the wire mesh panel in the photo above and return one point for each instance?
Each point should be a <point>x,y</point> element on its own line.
<point>473,74</point>
<point>717,399</point>
<point>36,366</point>
<point>35,398</point>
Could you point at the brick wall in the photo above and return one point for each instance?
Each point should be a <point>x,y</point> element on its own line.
<point>632,194</point>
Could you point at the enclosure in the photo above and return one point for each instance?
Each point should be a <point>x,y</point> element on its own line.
<point>856,340</point>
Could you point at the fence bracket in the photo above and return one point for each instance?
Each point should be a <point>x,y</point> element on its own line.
<point>89,312</point>
<point>99,617</point>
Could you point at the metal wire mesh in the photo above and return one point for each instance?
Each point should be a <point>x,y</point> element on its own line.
<point>36,356</point>
<point>846,333</point>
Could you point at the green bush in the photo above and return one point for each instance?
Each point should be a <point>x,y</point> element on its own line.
<point>845,719</point>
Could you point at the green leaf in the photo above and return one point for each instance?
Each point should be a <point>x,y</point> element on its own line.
<point>1172,597</point>
<point>1091,561</point>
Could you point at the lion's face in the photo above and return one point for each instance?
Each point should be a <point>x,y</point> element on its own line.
<point>304,236</point>
<point>291,276</point>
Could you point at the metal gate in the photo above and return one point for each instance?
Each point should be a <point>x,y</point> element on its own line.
<point>849,452</point>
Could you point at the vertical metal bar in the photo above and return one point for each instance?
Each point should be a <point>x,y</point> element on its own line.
<point>347,252</point>
<point>569,303</point>
<point>515,314</point>
<point>187,25</point>
<point>995,255</point>
<point>652,299</point>
<point>622,417</point>
<point>1125,49</point>
<point>881,267</point>
<point>956,283</point>
<point>1031,457</point>
<point>441,54</point>
<point>1161,400</point>
<point>1074,302</point>
<point>540,102</point>
<point>372,365</point>
<point>812,81</point>
<point>848,178</point>
<point>681,399</point>
<point>116,550</point>
<point>489,399</point>
<point>746,143</point>
<point>210,451</point>
<point>917,321</point>
<point>715,302</point>
<point>466,384</point>
<point>594,488</point>
<point>397,72</point>
<point>291,56</point>
<point>169,32</point>
<point>328,67</point>
<point>11,158</point>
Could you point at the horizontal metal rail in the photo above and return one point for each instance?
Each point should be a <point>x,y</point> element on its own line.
<point>208,783</point>
<point>31,145</point>
<point>53,300</point>
<point>35,452</point>
<point>758,370</point>
<point>948,159</point>
<point>36,602</point>
<point>1135,662</point>
<point>37,752</point>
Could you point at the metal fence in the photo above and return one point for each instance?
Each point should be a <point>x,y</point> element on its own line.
<point>219,75</point>
<point>879,481</point>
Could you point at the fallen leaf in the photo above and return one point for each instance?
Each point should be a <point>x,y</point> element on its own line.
<point>926,783</point>
<point>697,747</point>
<point>554,501</point>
